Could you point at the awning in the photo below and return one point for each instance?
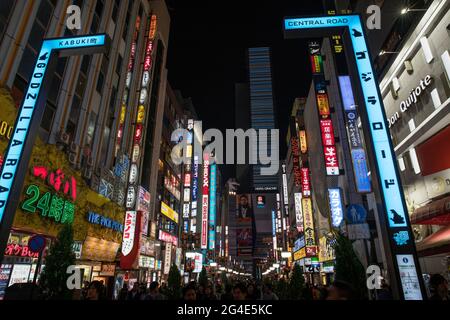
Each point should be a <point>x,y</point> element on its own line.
<point>436,212</point>
<point>437,243</point>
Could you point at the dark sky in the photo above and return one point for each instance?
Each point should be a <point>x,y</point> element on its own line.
<point>207,52</point>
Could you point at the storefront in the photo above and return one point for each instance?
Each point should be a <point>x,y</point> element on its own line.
<point>55,194</point>
<point>416,95</point>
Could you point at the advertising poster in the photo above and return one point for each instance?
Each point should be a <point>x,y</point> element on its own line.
<point>5,271</point>
<point>244,223</point>
<point>20,274</point>
<point>408,276</point>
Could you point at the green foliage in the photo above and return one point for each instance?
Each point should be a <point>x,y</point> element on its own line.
<point>203,278</point>
<point>348,267</point>
<point>54,277</point>
<point>174,283</point>
<point>296,283</point>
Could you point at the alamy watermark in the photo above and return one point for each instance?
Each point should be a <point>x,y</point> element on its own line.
<point>263,147</point>
<point>374,278</point>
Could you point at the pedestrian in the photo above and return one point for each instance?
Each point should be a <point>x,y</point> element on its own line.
<point>268,293</point>
<point>189,293</point>
<point>239,291</point>
<point>340,290</point>
<point>134,294</point>
<point>209,294</point>
<point>200,292</point>
<point>95,291</point>
<point>439,288</point>
<point>154,293</point>
<point>123,293</point>
<point>227,295</point>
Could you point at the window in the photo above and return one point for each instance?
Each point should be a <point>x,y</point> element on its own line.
<point>47,119</point>
<point>115,12</point>
<point>6,7</point>
<point>100,81</point>
<point>119,64</point>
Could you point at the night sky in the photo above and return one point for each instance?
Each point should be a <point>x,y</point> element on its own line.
<point>207,53</point>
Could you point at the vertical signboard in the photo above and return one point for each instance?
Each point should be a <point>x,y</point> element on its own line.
<point>244,225</point>
<point>167,258</point>
<point>212,208</point>
<point>285,191</point>
<point>336,209</point>
<point>205,202</point>
<point>396,218</point>
<point>308,221</point>
<point>298,211</point>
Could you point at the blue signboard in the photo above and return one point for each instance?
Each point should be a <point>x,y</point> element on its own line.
<point>25,115</point>
<point>393,197</point>
<point>385,160</point>
<point>212,206</point>
<point>103,221</point>
<point>356,214</point>
<point>361,171</point>
<point>299,243</point>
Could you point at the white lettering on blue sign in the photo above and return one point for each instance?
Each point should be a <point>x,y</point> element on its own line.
<point>393,197</point>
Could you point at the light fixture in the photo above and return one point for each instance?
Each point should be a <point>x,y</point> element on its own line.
<point>404,11</point>
<point>276,265</point>
<point>383,52</point>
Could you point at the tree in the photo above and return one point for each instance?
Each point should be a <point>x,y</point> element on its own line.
<point>296,283</point>
<point>348,267</point>
<point>174,283</point>
<point>53,279</point>
<point>203,278</point>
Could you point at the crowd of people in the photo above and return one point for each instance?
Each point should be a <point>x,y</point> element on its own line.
<point>249,290</point>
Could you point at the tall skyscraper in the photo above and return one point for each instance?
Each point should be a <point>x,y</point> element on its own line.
<point>262,114</point>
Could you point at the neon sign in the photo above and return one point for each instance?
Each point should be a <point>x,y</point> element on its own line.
<point>19,139</point>
<point>337,213</point>
<point>212,205</point>
<point>50,205</point>
<point>385,160</point>
<point>56,180</point>
<point>205,195</point>
<point>19,251</point>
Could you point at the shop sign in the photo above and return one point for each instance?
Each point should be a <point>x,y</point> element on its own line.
<point>412,99</point>
<point>331,160</point>
<point>303,142</point>
<point>311,251</point>
<point>141,114</point>
<point>106,188</point>
<point>143,96</point>
<point>316,64</point>
<point>300,254</point>
<point>167,237</point>
<point>212,208</point>
<point>18,250</point>
<point>306,186</point>
<point>131,197</point>
<point>296,162</point>
<point>167,258</point>
<point>147,247</point>
<point>322,104</point>
<point>143,200</point>
<point>146,262</point>
<point>108,270</point>
<point>326,127</point>
<point>57,180</point>
<point>103,221</point>
<point>337,212</point>
<point>50,205</point>
<point>145,79</point>
<point>308,222</point>
<point>5,271</point>
<point>347,93</point>
<point>153,24</point>
<point>361,171</point>
<point>187,194</point>
<point>169,212</point>
<point>198,263</point>
<point>136,153</point>
<point>138,134</point>
<point>128,233</point>
<point>353,130</point>
<point>299,243</point>
<point>186,209</point>
<point>204,234</point>
<point>187,180</point>
<point>298,211</point>
<point>195,179</point>
<point>76,248</point>
<point>285,188</point>
<point>326,250</point>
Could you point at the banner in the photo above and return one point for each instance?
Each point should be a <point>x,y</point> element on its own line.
<point>244,225</point>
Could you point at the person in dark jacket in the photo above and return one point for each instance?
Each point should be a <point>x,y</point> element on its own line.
<point>134,294</point>
<point>439,286</point>
<point>123,293</point>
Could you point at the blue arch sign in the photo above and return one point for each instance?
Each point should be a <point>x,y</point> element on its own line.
<point>29,117</point>
<point>396,217</point>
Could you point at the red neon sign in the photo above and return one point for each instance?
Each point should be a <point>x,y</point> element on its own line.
<point>306,186</point>
<point>326,127</point>
<point>57,180</point>
<point>19,251</point>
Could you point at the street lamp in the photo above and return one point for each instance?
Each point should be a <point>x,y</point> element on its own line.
<point>406,10</point>
<point>383,52</point>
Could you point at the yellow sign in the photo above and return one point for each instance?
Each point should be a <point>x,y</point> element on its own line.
<point>141,114</point>
<point>189,151</point>
<point>122,114</point>
<point>303,143</point>
<point>152,27</point>
<point>300,254</point>
<point>169,212</point>
<point>323,105</point>
<point>308,222</point>
<point>326,251</point>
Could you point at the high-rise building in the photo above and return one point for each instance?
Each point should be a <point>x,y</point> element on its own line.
<point>101,126</point>
<point>262,115</point>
